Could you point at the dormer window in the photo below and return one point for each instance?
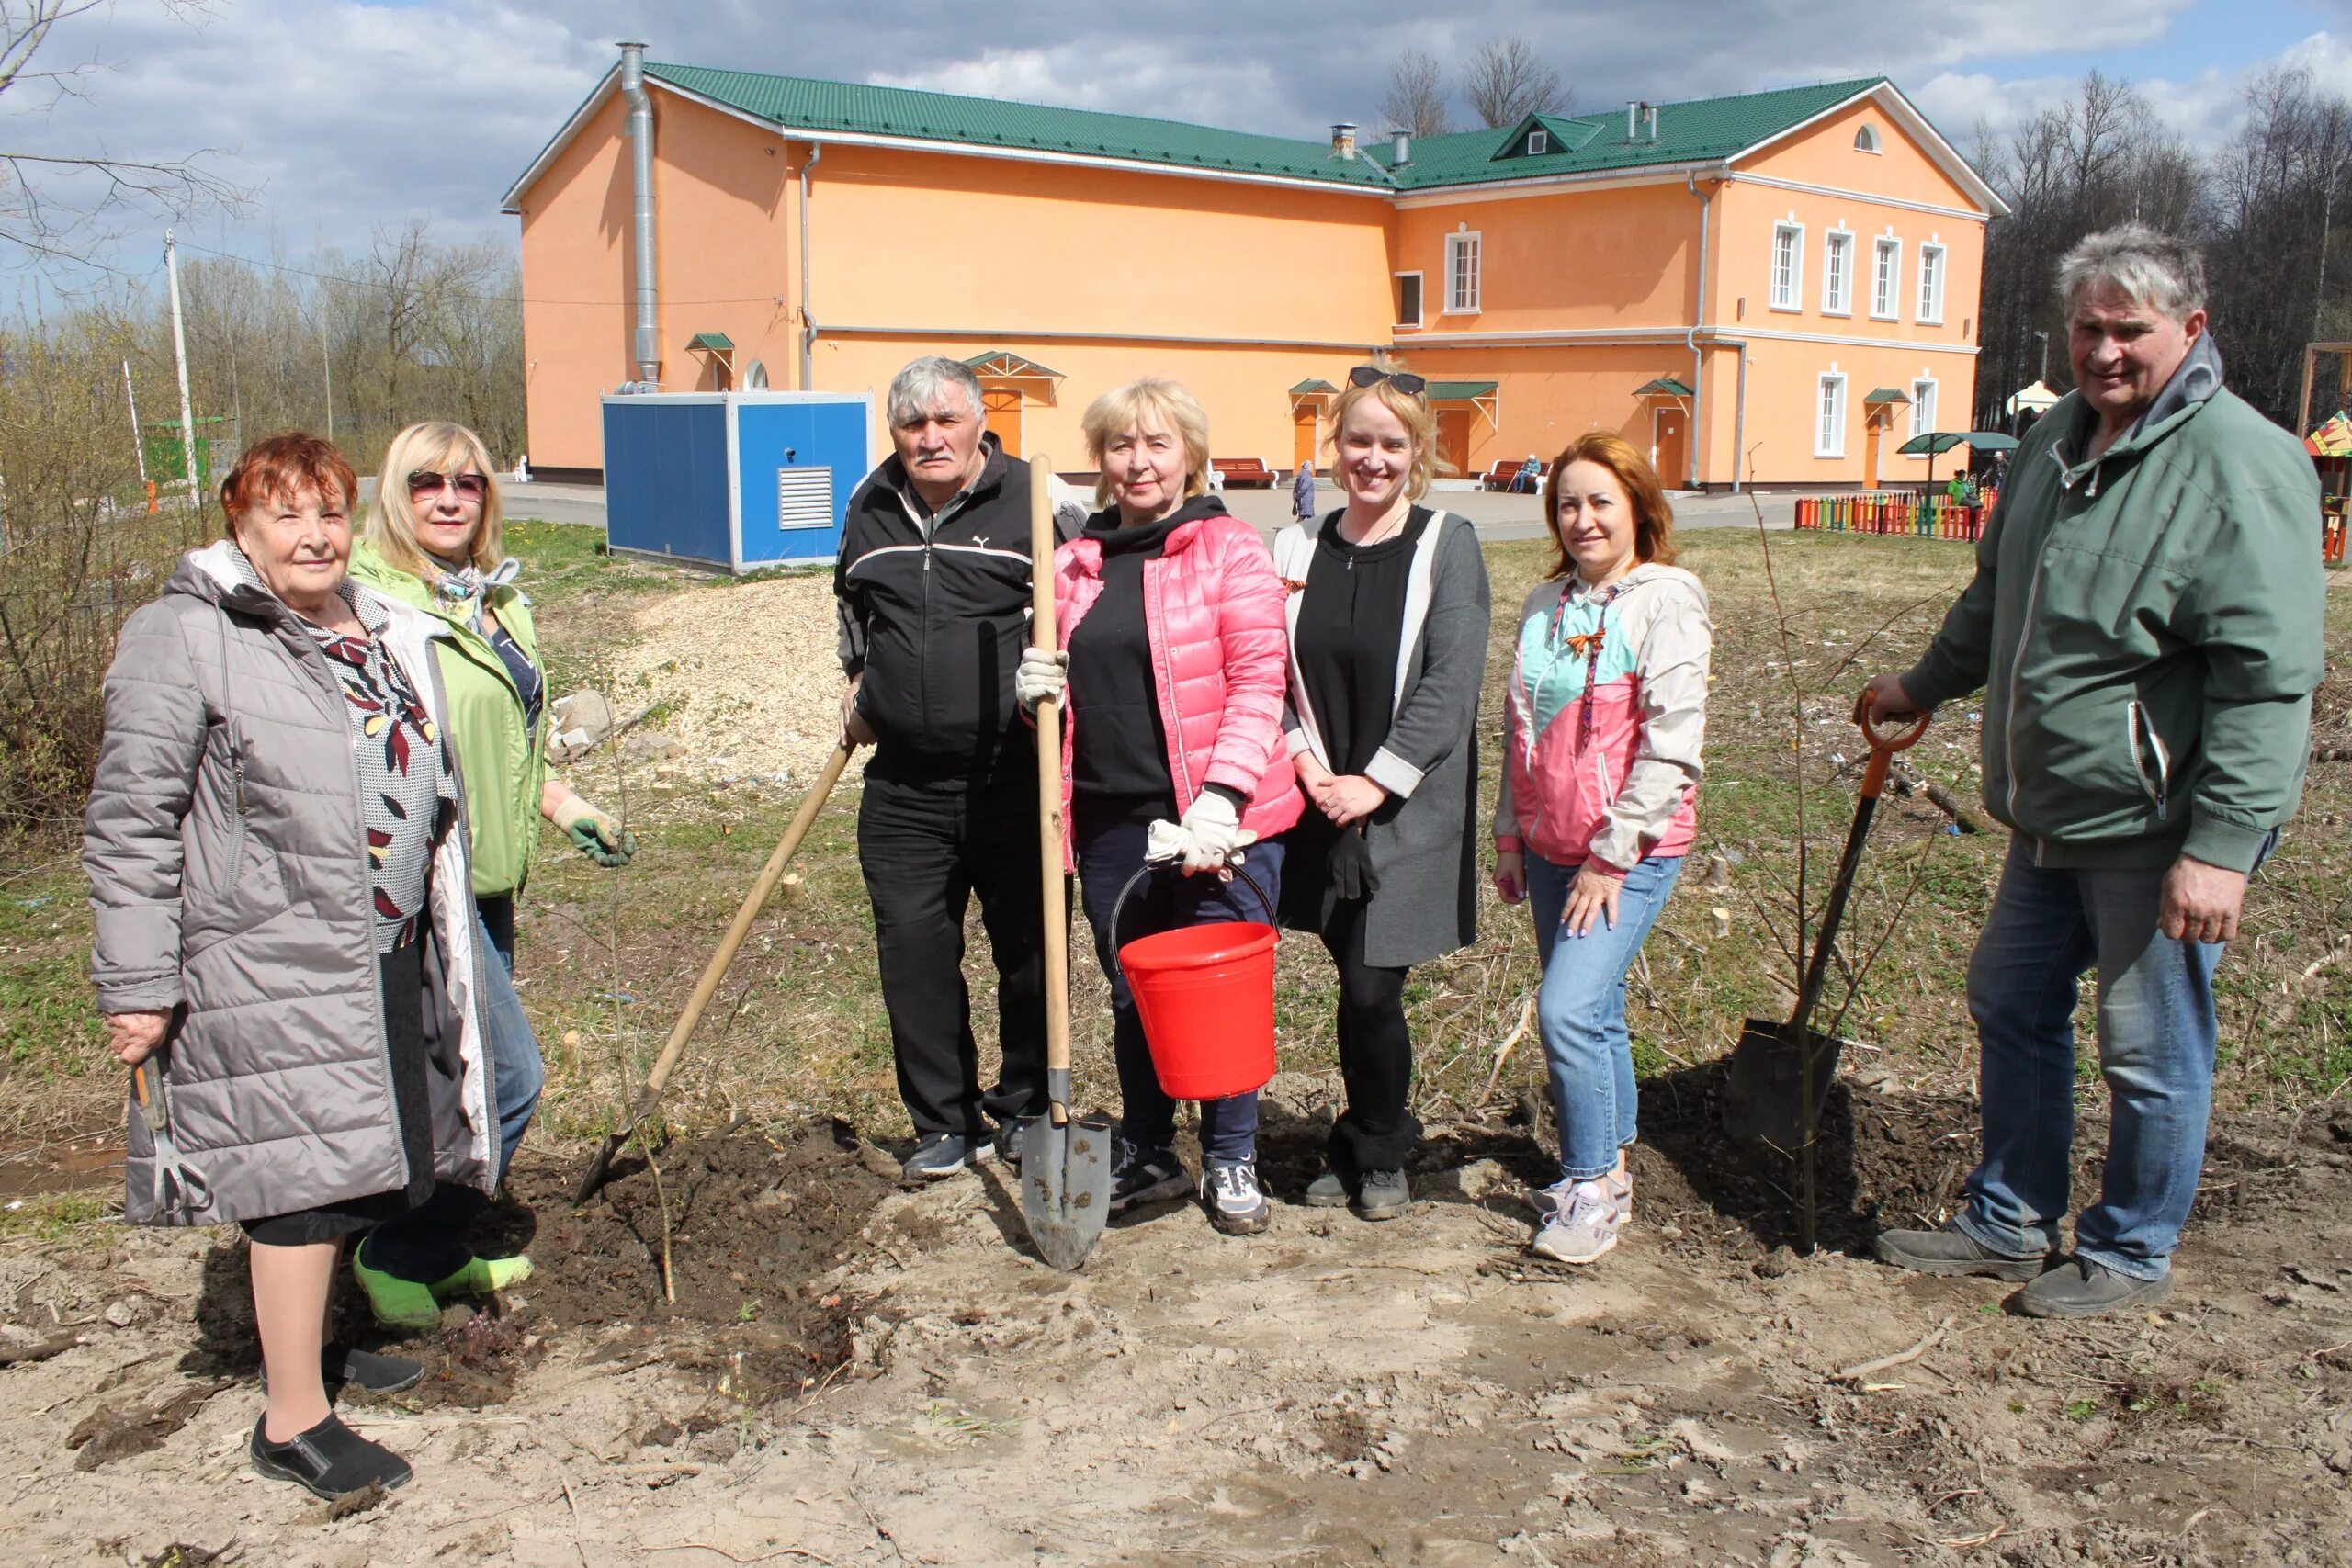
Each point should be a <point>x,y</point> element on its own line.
<point>1538,142</point>
<point>1866,140</point>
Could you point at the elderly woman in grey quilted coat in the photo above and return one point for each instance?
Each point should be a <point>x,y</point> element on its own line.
<point>285,935</point>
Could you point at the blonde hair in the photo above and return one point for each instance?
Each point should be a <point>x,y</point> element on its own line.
<point>1150,402</point>
<point>1412,410</point>
<point>434,446</point>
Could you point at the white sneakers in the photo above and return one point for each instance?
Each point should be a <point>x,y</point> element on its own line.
<point>1579,1221</point>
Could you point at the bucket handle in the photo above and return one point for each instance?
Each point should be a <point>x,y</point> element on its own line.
<point>1145,869</point>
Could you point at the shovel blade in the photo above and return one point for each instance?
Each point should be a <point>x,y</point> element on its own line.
<point>1064,1187</point>
<point>1764,1102</point>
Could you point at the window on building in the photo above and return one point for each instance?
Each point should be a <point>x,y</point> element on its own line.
<point>1837,273</point>
<point>1931,283</point>
<point>1886,273</point>
<point>1538,141</point>
<point>1829,435</point>
<point>1788,265</point>
<point>1866,140</point>
<point>1923,406</point>
<point>1408,298</point>
<point>756,378</point>
<point>1462,273</point>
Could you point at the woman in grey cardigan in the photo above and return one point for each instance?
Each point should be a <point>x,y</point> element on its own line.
<point>1388,616</point>
<point>284,947</point>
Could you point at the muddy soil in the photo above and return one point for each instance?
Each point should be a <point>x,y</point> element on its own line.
<point>855,1374</point>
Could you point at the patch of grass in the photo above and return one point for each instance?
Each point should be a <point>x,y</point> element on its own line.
<point>2081,1409</point>
<point>49,1030</point>
<point>51,1217</point>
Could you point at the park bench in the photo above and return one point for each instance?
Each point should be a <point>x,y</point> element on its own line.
<point>1502,473</point>
<point>1244,473</point>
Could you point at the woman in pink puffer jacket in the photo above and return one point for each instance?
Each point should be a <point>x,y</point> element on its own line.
<point>1171,622</point>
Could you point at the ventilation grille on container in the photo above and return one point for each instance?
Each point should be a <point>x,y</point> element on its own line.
<point>803,498</point>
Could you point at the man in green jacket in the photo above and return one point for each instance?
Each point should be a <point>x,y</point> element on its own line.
<point>2145,621</point>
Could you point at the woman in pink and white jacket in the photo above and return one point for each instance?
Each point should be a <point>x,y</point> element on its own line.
<point>1608,711</point>
<point>1171,620</point>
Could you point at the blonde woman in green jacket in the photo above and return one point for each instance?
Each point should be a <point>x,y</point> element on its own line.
<point>432,541</point>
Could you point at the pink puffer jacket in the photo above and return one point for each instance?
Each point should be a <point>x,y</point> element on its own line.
<point>1213,611</point>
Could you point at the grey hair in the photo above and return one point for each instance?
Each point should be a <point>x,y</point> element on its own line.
<point>2144,265</point>
<point>915,390</point>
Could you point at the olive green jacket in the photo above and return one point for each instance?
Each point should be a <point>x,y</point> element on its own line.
<point>503,763</point>
<point>2147,627</point>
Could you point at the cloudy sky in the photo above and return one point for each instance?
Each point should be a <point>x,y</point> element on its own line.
<point>341,117</point>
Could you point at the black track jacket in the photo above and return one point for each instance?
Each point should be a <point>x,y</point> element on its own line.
<point>935,619</point>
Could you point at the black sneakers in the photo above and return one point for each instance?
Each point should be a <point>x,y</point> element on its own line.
<point>2080,1288</point>
<point>366,1370</point>
<point>329,1460</point>
<point>1953,1251</point>
<point>1383,1195</point>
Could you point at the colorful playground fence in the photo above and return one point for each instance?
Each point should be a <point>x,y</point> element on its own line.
<point>1899,511</point>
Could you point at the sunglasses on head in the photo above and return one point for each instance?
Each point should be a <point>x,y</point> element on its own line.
<point>1404,381</point>
<point>469,487</point>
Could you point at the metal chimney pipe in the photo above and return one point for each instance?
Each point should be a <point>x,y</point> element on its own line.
<point>640,156</point>
<point>1400,148</point>
<point>1633,117</point>
<point>1649,121</point>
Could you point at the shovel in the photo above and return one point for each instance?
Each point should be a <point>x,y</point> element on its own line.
<point>1065,1161</point>
<point>715,971</point>
<point>1780,1073</point>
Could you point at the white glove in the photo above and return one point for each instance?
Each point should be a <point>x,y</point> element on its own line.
<point>1038,676</point>
<point>1212,834</point>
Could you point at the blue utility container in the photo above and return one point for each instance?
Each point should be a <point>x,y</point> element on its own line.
<point>736,481</point>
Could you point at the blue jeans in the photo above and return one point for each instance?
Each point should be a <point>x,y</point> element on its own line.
<point>2155,1049</point>
<point>1108,854</point>
<point>516,1072</point>
<point>1581,1008</point>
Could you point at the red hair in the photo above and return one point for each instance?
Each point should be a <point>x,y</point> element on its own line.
<point>1653,517</point>
<point>279,466</point>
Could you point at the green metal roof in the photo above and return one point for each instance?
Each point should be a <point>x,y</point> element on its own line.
<point>1461,391</point>
<point>1885,395</point>
<point>1697,130</point>
<point>1311,389</point>
<point>1662,386</point>
<point>717,343</point>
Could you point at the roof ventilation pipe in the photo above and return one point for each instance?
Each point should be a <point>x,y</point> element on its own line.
<point>1633,117</point>
<point>1400,148</point>
<point>1343,140</point>
<point>1649,122</point>
<point>640,159</point>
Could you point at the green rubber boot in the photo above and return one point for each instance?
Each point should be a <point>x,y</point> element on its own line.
<point>483,1277</point>
<point>397,1303</point>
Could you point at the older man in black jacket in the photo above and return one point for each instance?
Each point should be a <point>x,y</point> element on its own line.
<point>932,588</point>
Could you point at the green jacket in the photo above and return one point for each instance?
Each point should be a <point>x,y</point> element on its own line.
<point>2147,627</point>
<point>505,764</point>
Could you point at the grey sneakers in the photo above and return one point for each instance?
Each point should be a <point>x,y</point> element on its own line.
<point>2080,1288</point>
<point>1237,1204</point>
<point>1378,1195</point>
<point>1579,1221</point>
<point>1952,1250</point>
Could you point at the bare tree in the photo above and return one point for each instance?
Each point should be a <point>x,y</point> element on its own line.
<point>1416,100</point>
<point>1507,81</point>
<point>51,204</point>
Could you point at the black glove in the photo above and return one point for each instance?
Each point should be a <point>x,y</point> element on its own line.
<point>1350,865</point>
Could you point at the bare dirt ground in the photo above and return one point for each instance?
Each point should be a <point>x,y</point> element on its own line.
<point>853,1374</point>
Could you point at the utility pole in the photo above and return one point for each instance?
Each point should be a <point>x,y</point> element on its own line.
<point>138,440</point>
<point>179,356</point>
<point>327,362</point>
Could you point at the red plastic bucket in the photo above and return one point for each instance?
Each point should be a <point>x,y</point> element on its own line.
<point>1205,997</point>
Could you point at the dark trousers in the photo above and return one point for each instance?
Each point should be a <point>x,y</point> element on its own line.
<point>926,848</point>
<point>1376,1131</point>
<point>1110,849</point>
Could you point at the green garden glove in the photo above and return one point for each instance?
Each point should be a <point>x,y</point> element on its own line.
<point>594,833</point>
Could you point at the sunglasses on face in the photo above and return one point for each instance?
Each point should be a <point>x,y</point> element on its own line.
<point>1404,381</point>
<point>469,487</point>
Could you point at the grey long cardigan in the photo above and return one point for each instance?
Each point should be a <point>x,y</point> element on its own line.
<point>228,866</point>
<point>1424,855</point>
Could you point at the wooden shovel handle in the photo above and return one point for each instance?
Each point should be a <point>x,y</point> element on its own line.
<point>716,970</point>
<point>1049,784</point>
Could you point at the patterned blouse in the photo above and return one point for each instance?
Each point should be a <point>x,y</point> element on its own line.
<point>405,778</point>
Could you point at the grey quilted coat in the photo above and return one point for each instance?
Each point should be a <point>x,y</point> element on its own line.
<point>228,867</point>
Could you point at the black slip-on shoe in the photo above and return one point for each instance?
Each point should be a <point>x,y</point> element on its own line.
<point>1953,1251</point>
<point>369,1371</point>
<point>1328,1190</point>
<point>2080,1288</point>
<point>1383,1195</point>
<point>329,1460</point>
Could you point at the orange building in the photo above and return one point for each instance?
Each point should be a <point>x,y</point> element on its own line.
<point>1779,288</point>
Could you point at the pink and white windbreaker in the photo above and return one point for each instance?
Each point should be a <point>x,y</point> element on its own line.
<point>1607,714</point>
<point>1220,657</point>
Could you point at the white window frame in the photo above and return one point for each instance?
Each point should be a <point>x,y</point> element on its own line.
<point>1457,302</point>
<point>1828,415</point>
<point>1834,302</point>
<point>1421,298</point>
<point>1794,300</point>
<point>1866,140</point>
<point>1934,262</point>
<point>1539,141</point>
<point>1923,408</point>
<point>1887,268</point>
